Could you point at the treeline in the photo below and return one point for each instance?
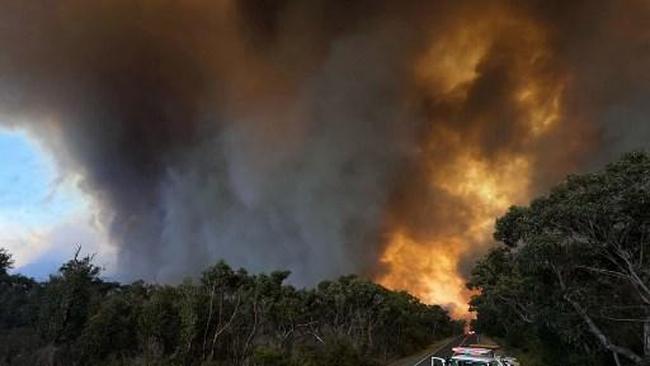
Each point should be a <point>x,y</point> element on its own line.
<point>226,317</point>
<point>572,281</point>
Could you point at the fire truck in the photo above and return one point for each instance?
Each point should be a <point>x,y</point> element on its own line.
<point>475,355</point>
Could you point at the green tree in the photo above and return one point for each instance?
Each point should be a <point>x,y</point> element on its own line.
<point>159,320</point>
<point>576,262</point>
<point>111,331</point>
<point>69,298</point>
<point>18,307</point>
<point>227,317</point>
<point>6,262</point>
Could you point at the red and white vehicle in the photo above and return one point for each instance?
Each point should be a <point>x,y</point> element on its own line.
<point>478,355</point>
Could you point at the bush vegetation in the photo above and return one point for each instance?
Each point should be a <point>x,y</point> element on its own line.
<point>571,282</point>
<point>225,317</point>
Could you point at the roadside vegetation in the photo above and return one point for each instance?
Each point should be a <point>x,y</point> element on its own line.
<point>571,282</point>
<point>570,285</point>
<point>226,317</point>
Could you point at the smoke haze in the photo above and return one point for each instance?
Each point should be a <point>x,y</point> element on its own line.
<point>325,137</point>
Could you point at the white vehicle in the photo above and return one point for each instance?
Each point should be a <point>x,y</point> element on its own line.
<point>474,356</point>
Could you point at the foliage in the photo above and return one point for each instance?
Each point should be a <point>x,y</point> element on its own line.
<point>225,317</point>
<point>574,273</point>
<point>6,262</point>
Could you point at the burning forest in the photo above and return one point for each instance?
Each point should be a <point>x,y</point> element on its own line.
<point>381,138</point>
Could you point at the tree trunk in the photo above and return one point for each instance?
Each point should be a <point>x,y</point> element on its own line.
<point>218,331</point>
<point>646,338</point>
<point>253,331</point>
<point>594,329</point>
<point>208,321</point>
<point>604,340</point>
<point>616,359</point>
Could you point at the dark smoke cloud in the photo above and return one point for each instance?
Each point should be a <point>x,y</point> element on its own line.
<point>294,134</point>
<point>210,131</point>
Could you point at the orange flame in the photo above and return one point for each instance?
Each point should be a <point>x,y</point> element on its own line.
<point>430,269</point>
<point>485,185</point>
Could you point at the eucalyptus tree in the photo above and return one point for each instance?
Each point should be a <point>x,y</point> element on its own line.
<point>577,261</point>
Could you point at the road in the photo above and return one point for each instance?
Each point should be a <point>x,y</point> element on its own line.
<point>445,351</point>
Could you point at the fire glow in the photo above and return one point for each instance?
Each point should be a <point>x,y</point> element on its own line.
<point>380,138</point>
<point>484,185</point>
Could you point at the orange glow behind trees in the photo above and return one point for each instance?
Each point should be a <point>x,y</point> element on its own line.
<point>484,184</point>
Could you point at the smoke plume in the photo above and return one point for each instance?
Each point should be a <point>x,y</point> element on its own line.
<point>326,137</point>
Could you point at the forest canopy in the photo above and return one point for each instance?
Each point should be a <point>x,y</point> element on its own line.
<point>572,278</point>
<point>226,317</point>
<point>570,283</point>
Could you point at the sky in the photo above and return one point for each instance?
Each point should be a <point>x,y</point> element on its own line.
<point>44,216</point>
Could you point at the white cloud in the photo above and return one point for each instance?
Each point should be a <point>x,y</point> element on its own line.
<point>44,215</point>
<point>38,253</point>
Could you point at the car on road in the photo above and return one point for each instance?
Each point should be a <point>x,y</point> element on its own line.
<point>474,356</point>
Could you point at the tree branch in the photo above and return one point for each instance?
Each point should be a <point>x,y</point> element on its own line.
<point>595,330</point>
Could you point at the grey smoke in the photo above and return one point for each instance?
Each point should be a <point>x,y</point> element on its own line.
<point>291,134</point>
